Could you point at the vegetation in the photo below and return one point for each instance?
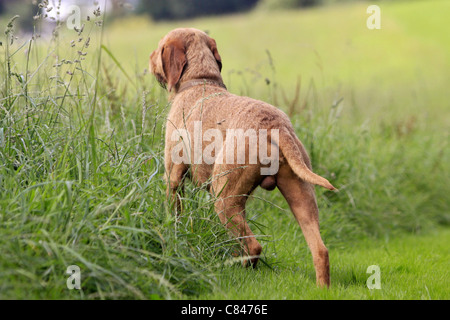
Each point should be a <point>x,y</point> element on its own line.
<point>182,9</point>
<point>411,267</point>
<point>81,140</point>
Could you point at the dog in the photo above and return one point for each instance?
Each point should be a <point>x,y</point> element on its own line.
<point>188,64</point>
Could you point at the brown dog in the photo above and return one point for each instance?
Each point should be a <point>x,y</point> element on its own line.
<point>187,61</point>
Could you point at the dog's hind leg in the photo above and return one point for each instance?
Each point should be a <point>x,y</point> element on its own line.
<point>300,196</point>
<point>231,190</point>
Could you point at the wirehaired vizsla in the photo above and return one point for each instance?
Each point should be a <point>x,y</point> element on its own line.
<point>231,144</point>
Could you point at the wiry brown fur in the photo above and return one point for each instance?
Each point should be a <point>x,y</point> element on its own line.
<point>184,55</point>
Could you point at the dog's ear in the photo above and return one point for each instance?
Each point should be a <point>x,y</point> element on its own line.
<point>173,57</point>
<point>156,68</point>
<point>213,47</point>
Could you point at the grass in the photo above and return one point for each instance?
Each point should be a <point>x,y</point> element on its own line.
<point>411,268</point>
<point>81,141</point>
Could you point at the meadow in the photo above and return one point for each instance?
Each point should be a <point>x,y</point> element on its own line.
<point>81,149</point>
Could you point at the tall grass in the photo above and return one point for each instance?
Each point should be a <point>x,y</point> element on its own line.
<point>80,179</point>
<point>81,141</point>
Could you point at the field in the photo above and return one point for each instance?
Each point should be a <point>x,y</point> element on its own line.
<point>411,267</point>
<point>81,141</point>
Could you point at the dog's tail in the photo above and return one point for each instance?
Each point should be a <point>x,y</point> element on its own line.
<point>289,147</point>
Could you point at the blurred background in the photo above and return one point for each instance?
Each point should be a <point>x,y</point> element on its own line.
<point>320,44</point>
<point>161,9</point>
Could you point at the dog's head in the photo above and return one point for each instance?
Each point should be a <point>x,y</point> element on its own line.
<point>185,52</point>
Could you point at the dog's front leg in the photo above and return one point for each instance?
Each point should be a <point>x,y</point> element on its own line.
<point>174,184</point>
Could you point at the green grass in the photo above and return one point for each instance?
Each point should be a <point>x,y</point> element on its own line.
<point>81,153</point>
<point>382,74</point>
<point>411,267</point>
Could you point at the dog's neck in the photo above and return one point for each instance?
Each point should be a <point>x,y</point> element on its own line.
<point>185,85</point>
